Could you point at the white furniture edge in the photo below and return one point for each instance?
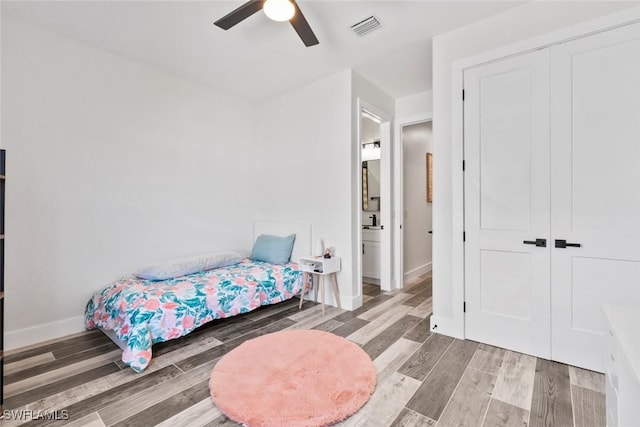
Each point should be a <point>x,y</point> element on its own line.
<point>330,268</point>
<point>625,320</point>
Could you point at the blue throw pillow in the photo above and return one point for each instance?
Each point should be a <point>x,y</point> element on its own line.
<point>273,249</point>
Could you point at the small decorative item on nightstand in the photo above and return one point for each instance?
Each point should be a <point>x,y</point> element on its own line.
<point>328,253</point>
<point>319,267</point>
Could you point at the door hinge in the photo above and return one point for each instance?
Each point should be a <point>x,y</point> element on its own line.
<point>464,307</point>
<point>463,94</point>
<point>464,166</point>
<point>400,226</point>
<point>464,236</point>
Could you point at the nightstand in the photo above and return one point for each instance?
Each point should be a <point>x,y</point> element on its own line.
<point>320,267</point>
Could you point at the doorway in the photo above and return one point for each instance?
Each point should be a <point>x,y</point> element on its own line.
<point>417,204</point>
<point>371,221</point>
<point>413,203</point>
<point>374,257</point>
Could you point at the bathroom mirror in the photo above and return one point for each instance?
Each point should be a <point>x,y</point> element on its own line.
<point>371,185</point>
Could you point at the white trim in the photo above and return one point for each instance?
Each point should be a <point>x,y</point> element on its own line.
<point>454,325</point>
<point>583,29</point>
<point>457,206</point>
<point>44,332</point>
<point>370,116</point>
<point>352,302</point>
<point>399,278</point>
<point>440,325</point>
<point>357,209</point>
<point>413,120</point>
<point>417,272</point>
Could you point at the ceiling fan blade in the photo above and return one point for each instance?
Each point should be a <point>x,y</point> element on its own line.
<point>302,27</point>
<point>240,14</point>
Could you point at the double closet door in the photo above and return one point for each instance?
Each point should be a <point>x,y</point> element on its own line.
<point>552,195</point>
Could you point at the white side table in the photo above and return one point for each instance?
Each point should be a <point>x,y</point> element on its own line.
<point>320,267</point>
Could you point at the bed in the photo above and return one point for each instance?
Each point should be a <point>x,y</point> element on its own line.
<point>137,313</point>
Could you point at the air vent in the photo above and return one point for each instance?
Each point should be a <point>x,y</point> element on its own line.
<point>366,26</point>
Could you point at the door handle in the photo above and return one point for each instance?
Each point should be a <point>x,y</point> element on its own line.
<point>561,244</point>
<point>541,243</point>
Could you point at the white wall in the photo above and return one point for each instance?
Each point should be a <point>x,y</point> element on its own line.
<point>111,165</point>
<point>304,156</point>
<point>303,160</point>
<point>419,104</point>
<point>523,22</point>
<point>417,142</point>
<point>114,164</point>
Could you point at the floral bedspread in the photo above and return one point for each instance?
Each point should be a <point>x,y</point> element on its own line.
<point>143,312</point>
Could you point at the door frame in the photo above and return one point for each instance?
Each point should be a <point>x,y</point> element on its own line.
<point>452,321</point>
<point>398,190</point>
<point>386,142</point>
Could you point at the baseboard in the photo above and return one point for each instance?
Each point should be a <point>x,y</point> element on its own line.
<point>351,303</point>
<point>45,332</point>
<point>417,272</point>
<point>444,326</point>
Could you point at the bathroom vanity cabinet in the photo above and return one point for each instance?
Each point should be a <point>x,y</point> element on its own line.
<point>371,253</point>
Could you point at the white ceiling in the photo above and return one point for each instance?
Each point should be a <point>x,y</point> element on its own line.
<point>259,58</point>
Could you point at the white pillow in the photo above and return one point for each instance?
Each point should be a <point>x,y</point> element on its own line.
<point>182,266</point>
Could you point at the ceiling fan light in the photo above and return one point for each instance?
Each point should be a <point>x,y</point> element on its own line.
<point>279,10</point>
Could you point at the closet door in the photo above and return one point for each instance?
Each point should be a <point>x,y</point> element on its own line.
<point>595,181</point>
<point>507,284</point>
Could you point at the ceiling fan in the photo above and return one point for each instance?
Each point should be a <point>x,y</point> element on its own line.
<point>278,10</point>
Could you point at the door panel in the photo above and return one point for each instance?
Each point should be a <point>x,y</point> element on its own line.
<point>371,259</point>
<point>507,202</point>
<point>505,179</point>
<point>595,177</point>
<point>605,109</point>
<point>505,284</point>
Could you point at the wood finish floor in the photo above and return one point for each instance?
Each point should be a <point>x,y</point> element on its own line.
<point>424,379</point>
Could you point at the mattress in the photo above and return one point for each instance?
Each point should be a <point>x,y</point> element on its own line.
<point>143,312</point>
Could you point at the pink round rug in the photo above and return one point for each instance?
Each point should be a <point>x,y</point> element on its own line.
<point>299,378</point>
